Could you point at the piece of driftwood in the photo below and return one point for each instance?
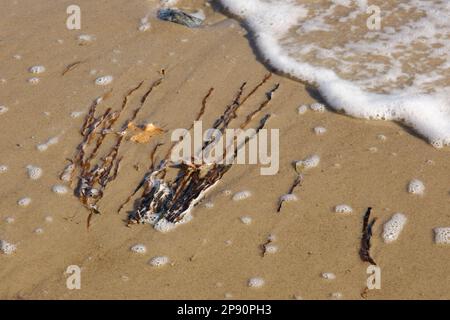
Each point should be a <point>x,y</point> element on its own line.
<point>364,251</point>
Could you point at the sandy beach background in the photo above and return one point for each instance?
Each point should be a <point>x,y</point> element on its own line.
<point>214,255</point>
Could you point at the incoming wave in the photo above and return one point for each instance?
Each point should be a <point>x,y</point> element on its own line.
<point>396,70</point>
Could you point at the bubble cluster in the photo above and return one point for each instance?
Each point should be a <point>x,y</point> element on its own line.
<point>3,109</point>
<point>37,69</point>
<point>3,168</point>
<point>288,197</point>
<point>343,208</point>
<point>308,163</point>
<point>416,187</point>
<point>246,220</point>
<point>60,189</point>
<point>328,276</point>
<point>393,227</point>
<point>302,109</point>
<point>241,195</point>
<point>103,81</point>
<point>34,172</point>
<point>139,248</point>
<point>317,107</point>
<point>255,282</point>
<point>7,248</point>
<point>159,261</point>
<point>24,202</point>
<point>320,130</point>
<point>442,235</point>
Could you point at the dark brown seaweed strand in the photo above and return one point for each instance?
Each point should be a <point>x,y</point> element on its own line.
<point>264,80</point>
<point>71,66</point>
<point>199,116</point>
<point>143,100</point>
<point>365,239</point>
<point>90,117</point>
<point>253,114</point>
<point>297,182</point>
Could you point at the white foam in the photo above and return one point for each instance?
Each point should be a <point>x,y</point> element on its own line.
<point>366,74</point>
<point>24,202</point>
<point>393,227</point>
<point>7,248</point>
<point>343,208</point>
<point>139,248</point>
<point>308,163</point>
<point>104,81</point>
<point>270,248</point>
<point>60,189</point>
<point>256,282</point>
<point>241,195</point>
<point>246,220</point>
<point>317,107</point>
<point>442,235</point>
<point>34,172</point>
<point>328,276</point>
<point>3,109</point>
<point>159,261</point>
<point>416,187</point>
<point>37,69</point>
<point>302,109</point>
<point>3,168</point>
<point>289,197</point>
<point>39,231</point>
<point>320,130</point>
<point>33,80</point>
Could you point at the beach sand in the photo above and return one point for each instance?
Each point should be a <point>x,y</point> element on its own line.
<point>214,255</point>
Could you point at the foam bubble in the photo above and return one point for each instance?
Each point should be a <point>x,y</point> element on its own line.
<point>308,163</point>
<point>7,248</point>
<point>442,235</point>
<point>49,219</point>
<point>336,296</point>
<point>10,220</point>
<point>37,69</point>
<point>44,146</point>
<point>139,248</point>
<point>416,187</point>
<point>343,208</point>
<point>3,168</point>
<point>256,282</point>
<point>33,80</point>
<point>60,189</point>
<point>159,261</point>
<point>289,197</point>
<point>393,227</point>
<point>34,172</point>
<point>76,114</point>
<point>381,137</point>
<point>320,130</point>
<point>317,107</point>
<point>103,81</point>
<point>328,276</point>
<point>241,195</point>
<point>39,231</point>
<point>270,248</point>
<point>24,202</point>
<point>85,38</point>
<point>3,109</point>
<point>246,220</point>
<point>302,109</point>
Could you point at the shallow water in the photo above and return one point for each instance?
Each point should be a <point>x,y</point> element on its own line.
<point>382,60</point>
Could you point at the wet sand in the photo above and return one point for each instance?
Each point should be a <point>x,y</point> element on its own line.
<point>214,255</point>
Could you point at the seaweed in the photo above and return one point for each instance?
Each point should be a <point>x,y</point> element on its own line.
<point>171,200</point>
<point>366,236</point>
<point>297,182</point>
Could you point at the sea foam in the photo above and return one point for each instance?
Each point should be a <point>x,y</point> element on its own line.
<point>399,72</point>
